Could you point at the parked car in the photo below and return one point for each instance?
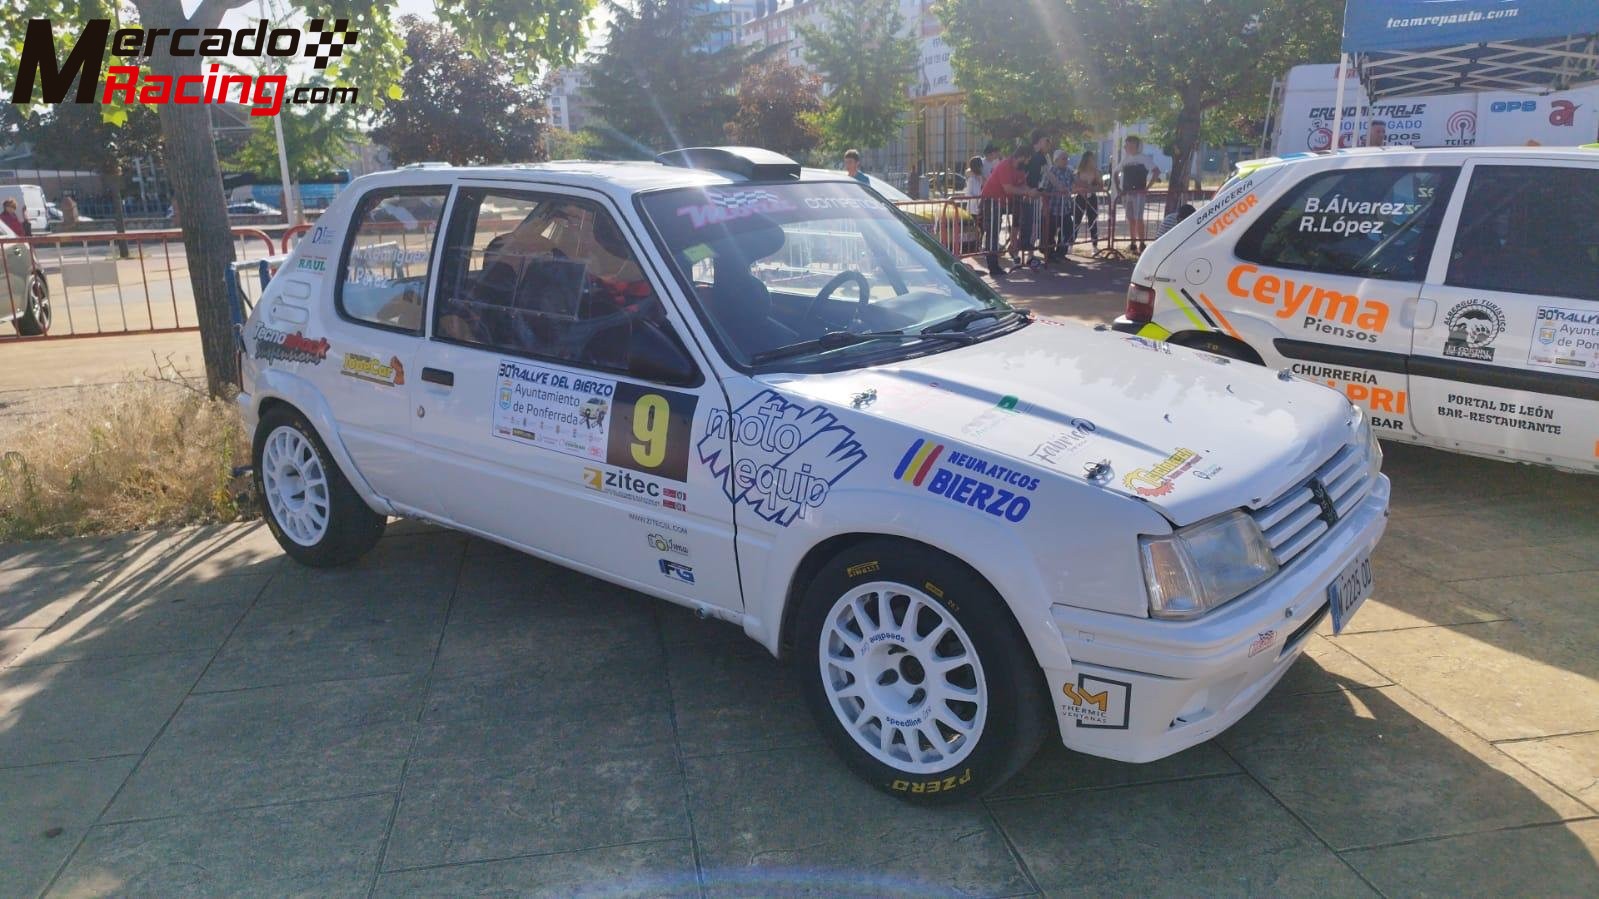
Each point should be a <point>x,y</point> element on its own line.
<point>1453,293</point>
<point>25,296</point>
<point>252,207</point>
<point>949,223</point>
<point>760,394</point>
<point>56,216</point>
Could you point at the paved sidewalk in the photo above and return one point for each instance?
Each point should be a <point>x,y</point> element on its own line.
<point>187,713</point>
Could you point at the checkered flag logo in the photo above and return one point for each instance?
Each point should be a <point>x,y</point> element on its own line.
<point>742,198</point>
<point>330,42</point>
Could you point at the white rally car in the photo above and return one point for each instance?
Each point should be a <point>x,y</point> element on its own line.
<point>1452,293</point>
<point>775,400</point>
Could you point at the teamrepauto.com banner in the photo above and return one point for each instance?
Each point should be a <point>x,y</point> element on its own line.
<point>126,83</point>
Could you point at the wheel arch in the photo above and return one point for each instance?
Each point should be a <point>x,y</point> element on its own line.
<point>817,555</point>
<point>275,389</point>
<point>1196,339</point>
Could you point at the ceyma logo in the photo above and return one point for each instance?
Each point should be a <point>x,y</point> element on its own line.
<point>126,84</point>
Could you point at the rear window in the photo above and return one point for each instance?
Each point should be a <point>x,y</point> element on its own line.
<point>1367,223</point>
<point>1529,229</point>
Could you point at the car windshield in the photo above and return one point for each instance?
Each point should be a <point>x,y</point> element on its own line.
<point>817,275</point>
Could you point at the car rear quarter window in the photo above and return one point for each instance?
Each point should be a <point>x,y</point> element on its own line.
<point>1368,223</point>
<point>388,255</point>
<point>1529,229</point>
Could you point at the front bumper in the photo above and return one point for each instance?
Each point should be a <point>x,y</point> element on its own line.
<point>1140,689</point>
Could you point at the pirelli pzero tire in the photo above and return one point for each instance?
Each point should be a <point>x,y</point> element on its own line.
<point>312,510</point>
<point>917,672</point>
<point>34,321</point>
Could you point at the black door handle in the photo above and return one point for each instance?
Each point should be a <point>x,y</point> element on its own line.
<point>438,376</point>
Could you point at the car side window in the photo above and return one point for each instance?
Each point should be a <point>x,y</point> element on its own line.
<point>388,255</point>
<point>1367,223</point>
<point>550,277</point>
<point>1529,229</point>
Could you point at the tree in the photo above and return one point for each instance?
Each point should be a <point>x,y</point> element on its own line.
<point>522,35</point>
<point>657,84</point>
<point>1014,63</point>
<point>71,136</point>
<point>867,64</point>
<point>1185,64</point>
<point>316,141</point>
<point>458,108</point>
<point>778,104</point>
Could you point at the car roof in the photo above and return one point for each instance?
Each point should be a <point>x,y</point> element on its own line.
<point>619,179</point>
<point>1403,155</point>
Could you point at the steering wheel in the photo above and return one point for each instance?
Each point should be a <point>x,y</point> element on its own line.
<point>837,281</point>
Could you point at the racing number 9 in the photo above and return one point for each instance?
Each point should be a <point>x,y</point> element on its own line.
<point>652,423</point>
<point>650,430</point>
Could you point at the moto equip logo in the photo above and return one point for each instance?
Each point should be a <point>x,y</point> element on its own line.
<point>778,457</point>
<point>39,64</point>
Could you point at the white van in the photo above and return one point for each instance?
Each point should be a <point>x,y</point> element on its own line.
<point>1452,293</point>
<point>30,197</point>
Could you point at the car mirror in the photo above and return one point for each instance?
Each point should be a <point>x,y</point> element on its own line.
<point>655,354</point>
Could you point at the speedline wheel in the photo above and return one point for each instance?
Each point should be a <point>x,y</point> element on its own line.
<point>918,673</point>
<point>309,505</point>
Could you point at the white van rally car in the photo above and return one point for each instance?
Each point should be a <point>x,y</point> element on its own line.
<point>774,399</point>
<point>1453,293</point>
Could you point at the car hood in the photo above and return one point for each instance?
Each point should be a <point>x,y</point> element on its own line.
<point>1190,433</point>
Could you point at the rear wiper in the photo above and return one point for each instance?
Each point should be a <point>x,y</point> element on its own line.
<point>833,340</point>
<point>960,320</point>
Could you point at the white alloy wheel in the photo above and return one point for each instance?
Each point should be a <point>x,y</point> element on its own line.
<point>296,485</point>
<point>903,677</point>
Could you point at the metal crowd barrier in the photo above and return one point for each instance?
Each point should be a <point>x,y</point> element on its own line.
<point>104,283</point>
<point>1034,228</point>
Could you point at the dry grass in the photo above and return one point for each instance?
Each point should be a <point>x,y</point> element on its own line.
<point>153,452</point>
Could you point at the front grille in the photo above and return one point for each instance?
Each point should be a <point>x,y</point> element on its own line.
<point>1294,521</point>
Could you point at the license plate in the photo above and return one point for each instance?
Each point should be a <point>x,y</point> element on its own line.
<point>1348,590</point>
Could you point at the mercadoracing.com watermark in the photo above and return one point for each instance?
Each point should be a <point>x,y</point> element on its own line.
<point>264,94</point>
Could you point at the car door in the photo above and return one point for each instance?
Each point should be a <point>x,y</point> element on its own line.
<point>379,268</point>
<point>1505,358</point>
<point>1335,267</point>
<point>556,405</point>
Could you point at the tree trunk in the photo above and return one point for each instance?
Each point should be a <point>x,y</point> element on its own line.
<point>196,179</point>
<point>113,177</point>
<point>1182,157</point>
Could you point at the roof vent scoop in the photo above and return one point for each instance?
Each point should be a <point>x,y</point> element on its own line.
<point>753,163</point>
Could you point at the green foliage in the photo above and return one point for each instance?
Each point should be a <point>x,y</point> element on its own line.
<point>1015,63</point>
<point>459,108</point>
<point>655,85</point>
<point>778,104</point>
<point>317,140</point>
<point>570,144</point>
<point>522,36</point>
<point>70,136</point>
<point>1153,56</point>
<point>868,62</point>
<point>1195,69</point>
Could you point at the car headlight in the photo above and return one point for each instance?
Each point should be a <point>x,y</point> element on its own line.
<point>1197,568</point>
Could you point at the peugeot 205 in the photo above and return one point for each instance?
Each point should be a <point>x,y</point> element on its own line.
<point>771,397</point>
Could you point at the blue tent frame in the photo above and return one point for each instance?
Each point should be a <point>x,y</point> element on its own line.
<point>1419,47</point>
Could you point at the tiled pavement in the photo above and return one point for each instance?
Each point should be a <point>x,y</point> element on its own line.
<point>186,713</point>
